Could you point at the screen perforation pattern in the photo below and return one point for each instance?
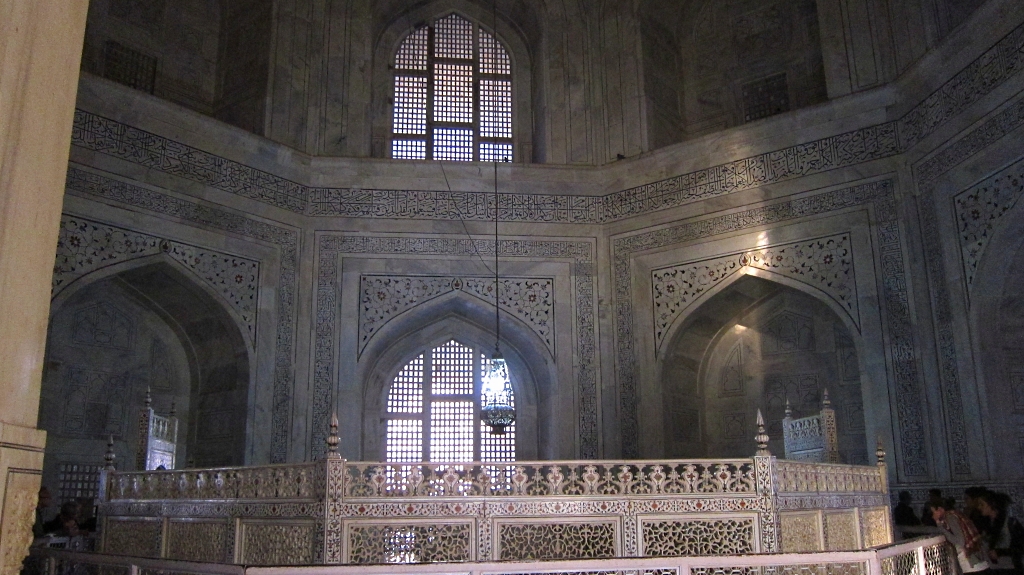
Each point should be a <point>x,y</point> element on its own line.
<point>452,97</point>
<point>433,410</point>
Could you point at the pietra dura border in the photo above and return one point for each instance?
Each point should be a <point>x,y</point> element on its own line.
<point>330,246</point>
<point>928,174</point>
<point>999,63</point>
<point>878,195</point>
<point>285,239</point>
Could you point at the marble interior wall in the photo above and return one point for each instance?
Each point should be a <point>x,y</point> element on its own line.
<point>179,38</point>
<point>244,56</point>
<point>747,59</point>
<point>856,198</point>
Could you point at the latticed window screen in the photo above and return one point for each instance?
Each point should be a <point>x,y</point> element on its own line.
<point>452,94</point>
<point>433,410</point>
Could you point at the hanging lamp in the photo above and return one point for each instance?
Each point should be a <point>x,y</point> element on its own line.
<point>496,408</point>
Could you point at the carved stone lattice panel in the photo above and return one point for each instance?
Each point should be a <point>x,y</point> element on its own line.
<point>939,559</point>
<point>277,544</point>
<point>902,564</point>
<point>823,263</point>
<point>874,525</point>
<point>201,541</point>
<point>841,532</point>
<point>284,239</point>
<point>383,298</point>
<point>979,210</point>
<point>84,246</point>
<point>374,480</point>
<point>136,537</point>
<point>800,532</point>
<point>413,543</point>
<point>695,537</point>
<point>538,541</point>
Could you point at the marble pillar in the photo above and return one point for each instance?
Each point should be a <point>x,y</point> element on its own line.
<point>40,51</point>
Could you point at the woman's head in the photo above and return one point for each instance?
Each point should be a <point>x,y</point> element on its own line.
<point>991,505</point>
<point>938,510</point>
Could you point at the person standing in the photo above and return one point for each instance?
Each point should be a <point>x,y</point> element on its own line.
<point>971,552</point>
<point>1005,535</point>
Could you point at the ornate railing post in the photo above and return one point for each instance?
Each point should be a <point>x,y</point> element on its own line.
<point>767,491</point>
<point>331,490</point>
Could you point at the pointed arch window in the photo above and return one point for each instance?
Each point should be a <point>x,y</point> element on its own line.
<point>433,410</point>
<point>452,96</point>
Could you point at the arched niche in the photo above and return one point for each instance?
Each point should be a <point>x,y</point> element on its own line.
<point>541,432</point>
<point>997,326</point>
<point>137,325</point>
<point>751,345</point>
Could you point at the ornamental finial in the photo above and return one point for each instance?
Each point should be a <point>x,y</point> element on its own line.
<point>789,410</point>
<point>109,456</point>
<point>762,437</point>
<point>825,401</point>
<point>332,438</point>
<point>880,452</point>
<point>174,409</point>
<point>149,398</point>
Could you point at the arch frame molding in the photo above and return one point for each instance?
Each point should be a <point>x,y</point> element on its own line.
<point>906,428</point>
<point>335,251</point>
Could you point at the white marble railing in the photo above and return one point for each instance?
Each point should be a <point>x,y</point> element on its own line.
<point>230,483</point>
<point>340,512</point>
<point>809,477</point>
<point>926,556</point>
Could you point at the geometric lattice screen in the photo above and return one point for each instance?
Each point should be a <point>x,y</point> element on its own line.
<point>433,410</point>
<point>452,94</point>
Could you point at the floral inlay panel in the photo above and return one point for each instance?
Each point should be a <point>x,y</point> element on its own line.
<point>875,527</point>
<point>800,532</point>
<point>841,531</point>
<point>979,210</point>
<point>824,263</point>
<point>382,298</point>
<point>201,541</point>
<point>139,538</point>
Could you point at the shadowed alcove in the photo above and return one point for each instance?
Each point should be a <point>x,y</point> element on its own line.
<point>753,346</point>
<point>152,327</point>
